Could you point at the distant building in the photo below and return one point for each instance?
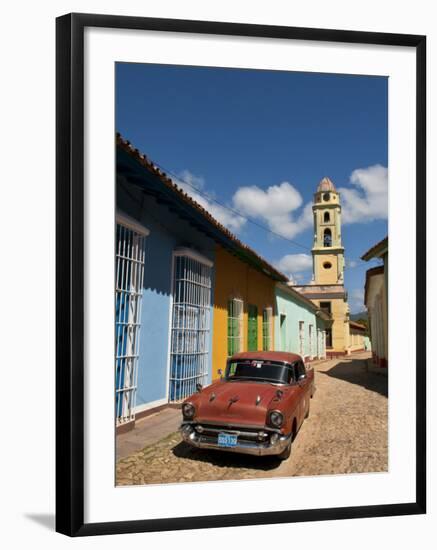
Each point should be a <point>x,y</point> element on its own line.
<point>357,337</point>
<point>326,289</point>
<point>300,325</point>
<point>376,301</point>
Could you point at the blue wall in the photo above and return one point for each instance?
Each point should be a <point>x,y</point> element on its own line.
<point>167,232</point>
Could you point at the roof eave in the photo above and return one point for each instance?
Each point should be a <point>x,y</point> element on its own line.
<point>378,250</point>
<point>218,232</point>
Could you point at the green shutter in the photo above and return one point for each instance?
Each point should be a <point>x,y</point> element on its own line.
<point>252,328</point>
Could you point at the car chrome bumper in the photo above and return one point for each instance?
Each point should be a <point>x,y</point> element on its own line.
<point>257,448</point>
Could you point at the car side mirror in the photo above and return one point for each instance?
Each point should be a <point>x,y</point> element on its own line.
<point>199,387</point>
<point>301,377</point>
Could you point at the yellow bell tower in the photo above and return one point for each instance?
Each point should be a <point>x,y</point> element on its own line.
<point>326,288</point>
<point>328,252</point>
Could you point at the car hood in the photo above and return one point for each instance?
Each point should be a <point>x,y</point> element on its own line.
<point>244,403</point>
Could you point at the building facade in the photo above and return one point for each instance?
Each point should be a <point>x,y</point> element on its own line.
<point>244,308</point>
<point>358,339</point>
<point>164,294</point>
<point>326,289</point>
<point>376,301</point>
<point>300,326</point>
<point>175,268</point>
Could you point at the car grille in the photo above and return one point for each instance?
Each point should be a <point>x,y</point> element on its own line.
<point>210,433</point>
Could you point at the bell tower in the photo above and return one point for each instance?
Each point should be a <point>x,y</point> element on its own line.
<point>326,288</point>
<point>327,251</point>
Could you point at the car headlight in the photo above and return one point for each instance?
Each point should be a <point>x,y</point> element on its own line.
<point>276,419</point>
<point>188,410</point>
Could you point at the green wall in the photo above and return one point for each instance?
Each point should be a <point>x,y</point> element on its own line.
<point>295,311</point>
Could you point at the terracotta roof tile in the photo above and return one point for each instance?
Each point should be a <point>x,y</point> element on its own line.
<point>359,326</point>
<point>145,162</point>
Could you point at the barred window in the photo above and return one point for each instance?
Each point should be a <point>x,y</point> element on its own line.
<point>302,338</point>
<point>235,326</point>
<point>129,270</point>
<point>190,325</point>
<point>267,329</point>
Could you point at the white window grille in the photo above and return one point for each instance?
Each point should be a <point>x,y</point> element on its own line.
<point>129,275</point>
<point>301,338</point>
<point>235,326</point>
<point>267,328</point>
<point>189,351</point>
<point>310,343</point>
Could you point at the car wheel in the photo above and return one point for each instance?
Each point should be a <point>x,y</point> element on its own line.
<point>286,452</point>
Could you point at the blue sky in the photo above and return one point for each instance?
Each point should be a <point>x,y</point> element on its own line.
<point>259,142</point>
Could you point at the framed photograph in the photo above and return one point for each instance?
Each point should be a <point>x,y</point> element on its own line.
<point>240,274</point>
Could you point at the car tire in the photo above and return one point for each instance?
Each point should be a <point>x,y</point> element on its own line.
<point>286,452</point>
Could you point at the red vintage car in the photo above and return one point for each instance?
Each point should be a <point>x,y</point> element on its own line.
<point>257,406</point>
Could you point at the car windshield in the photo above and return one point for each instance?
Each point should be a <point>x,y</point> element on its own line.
<point>260,371</point>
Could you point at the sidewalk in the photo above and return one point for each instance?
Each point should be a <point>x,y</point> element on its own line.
<point>148,431</point>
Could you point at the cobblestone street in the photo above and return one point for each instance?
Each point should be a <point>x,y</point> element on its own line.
<point>346,432</point>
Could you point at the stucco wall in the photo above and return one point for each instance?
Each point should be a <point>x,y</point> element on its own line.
<point>325,276</point>
<point>236,279</point>
<point>340,329</point>
<point>356,340</point>
<point>376,304</point>
<point>167,232</point>
<point>295,311</point>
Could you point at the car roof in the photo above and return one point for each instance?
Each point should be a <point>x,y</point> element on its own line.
<point>268,356</point>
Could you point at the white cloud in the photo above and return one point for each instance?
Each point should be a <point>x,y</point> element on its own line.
<point>293,265</point>
<point>368,201</point>
<point>280,207</point>
<point>351,263</point>
<point>187,181</point>
<point>191,184</point>
<point>356,300</point>
<point>276,206</point>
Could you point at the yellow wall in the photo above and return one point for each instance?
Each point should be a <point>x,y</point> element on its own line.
<point>325,276</point>
<point>236,279</point>
<point>340,328</point>
<point>356,340</point>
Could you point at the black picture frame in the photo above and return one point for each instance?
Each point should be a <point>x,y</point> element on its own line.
<point>70,273</point>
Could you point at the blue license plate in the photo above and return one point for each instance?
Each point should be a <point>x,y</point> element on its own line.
<point>227,440</point>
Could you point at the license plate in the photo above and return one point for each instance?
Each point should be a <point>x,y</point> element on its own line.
<point>227,440</point>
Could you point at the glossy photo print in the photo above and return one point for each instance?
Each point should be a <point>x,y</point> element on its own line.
<point>251,274</point>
